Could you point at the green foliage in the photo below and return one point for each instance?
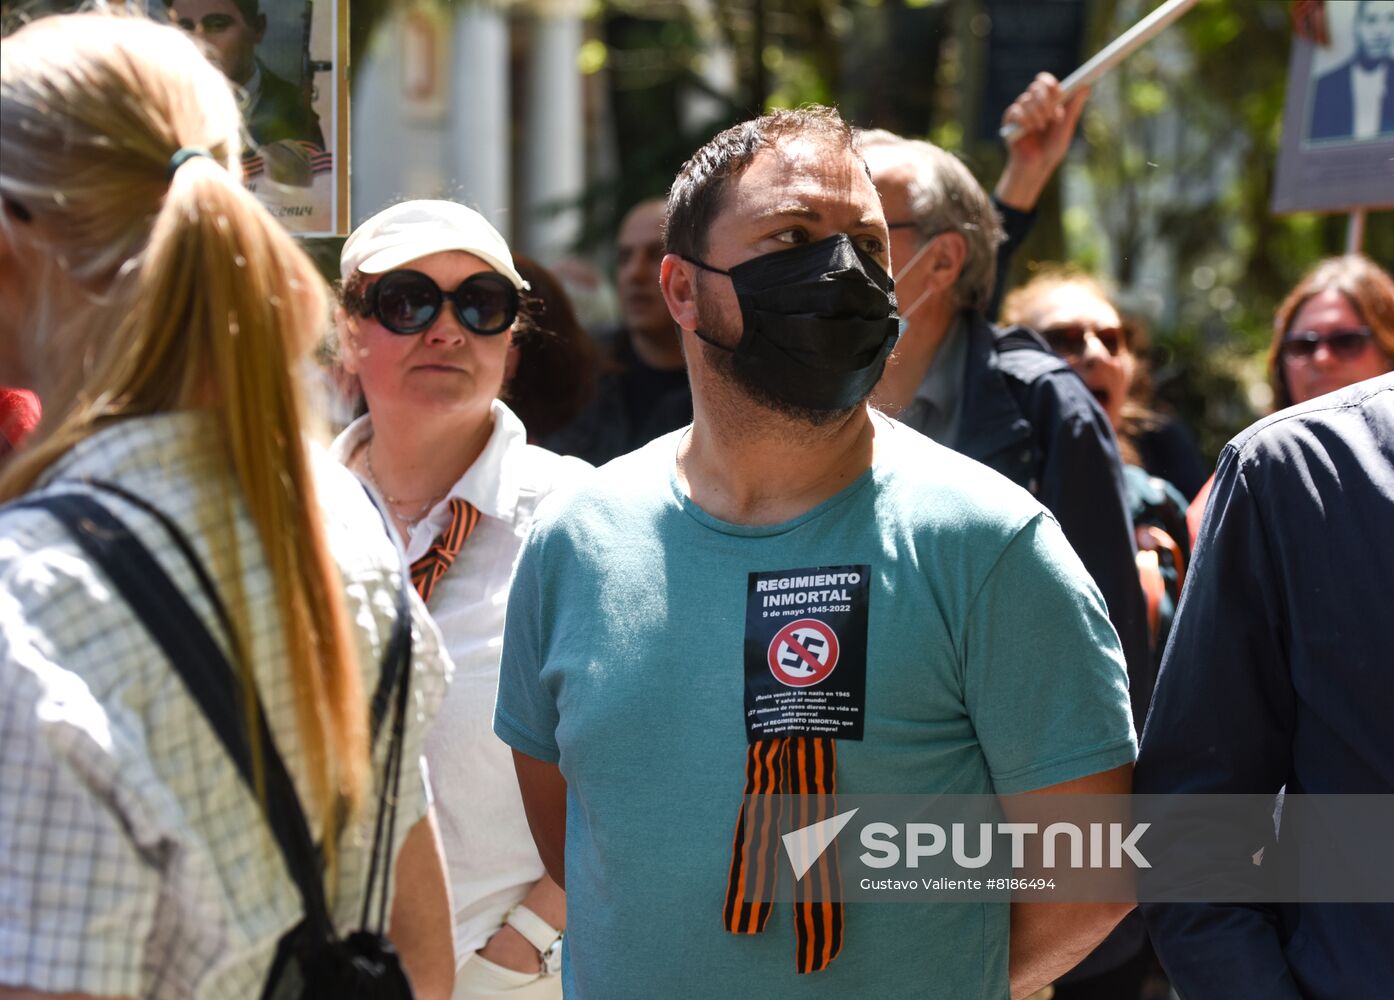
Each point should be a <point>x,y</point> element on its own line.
<point>1146,98</point>
<point>1175,162</point>
<point>798,81</point>
<point>1179,155</point>
<point>1168,188</point>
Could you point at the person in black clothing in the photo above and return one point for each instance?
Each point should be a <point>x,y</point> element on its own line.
<point>280,113</point>
<point>642,390</point>
<point>551,363</point>
<point>1277,676</point>
<point>1078,319</point>
<point>1002,396</point>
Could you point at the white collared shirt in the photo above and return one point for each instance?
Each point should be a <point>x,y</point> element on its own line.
<point>133,859</point>
<point>1367,97</point>
<point>249,92</point>
<point>488,847</point>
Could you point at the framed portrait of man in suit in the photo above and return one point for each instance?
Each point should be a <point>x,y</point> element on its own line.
<point>1337,151</point>
<point>286,60</point>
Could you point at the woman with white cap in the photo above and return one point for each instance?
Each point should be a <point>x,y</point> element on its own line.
<point>431,300</point>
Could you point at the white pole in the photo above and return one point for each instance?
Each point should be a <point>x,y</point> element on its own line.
<point>479,113</point>
<point>554,156</point>
<point>1116,51</point>
<point>1355,231</point>
<point>701,109</point>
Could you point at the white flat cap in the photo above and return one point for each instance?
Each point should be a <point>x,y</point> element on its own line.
<point>411,230</point>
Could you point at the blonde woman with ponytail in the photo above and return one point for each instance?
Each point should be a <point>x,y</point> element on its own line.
<point>163,318</point>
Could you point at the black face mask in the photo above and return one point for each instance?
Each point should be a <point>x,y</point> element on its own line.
<point>819,323</point>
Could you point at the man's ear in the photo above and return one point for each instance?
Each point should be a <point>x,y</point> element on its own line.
<point>259,28</point>
<point>678,280</point>
<point>946,258</point>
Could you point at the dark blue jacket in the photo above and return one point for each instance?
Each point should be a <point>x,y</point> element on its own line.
<point>282,113</point>
<point>1280,672</point>
<point>1026,413</point>
<point>1333,105</point>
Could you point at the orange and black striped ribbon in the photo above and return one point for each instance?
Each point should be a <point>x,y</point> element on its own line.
<point>427,571</point>
<point>789,785</point>
<point>1153,544</point>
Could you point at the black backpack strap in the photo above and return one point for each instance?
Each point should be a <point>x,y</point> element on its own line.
<point>189,647</point>
<point>396,662</point>
<point>208,676</point>
<point>391,661</point>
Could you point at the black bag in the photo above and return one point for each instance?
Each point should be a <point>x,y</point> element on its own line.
<point>311,960</point>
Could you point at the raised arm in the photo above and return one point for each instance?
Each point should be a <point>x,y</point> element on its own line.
<point>1048,122</point>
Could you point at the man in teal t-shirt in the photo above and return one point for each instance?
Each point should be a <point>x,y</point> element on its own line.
<point>793,541</point>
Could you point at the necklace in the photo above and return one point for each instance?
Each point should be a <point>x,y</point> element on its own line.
<point>410,520</point>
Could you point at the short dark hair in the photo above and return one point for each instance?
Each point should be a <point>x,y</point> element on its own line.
<point>249,9</point>
<point>696,195</point>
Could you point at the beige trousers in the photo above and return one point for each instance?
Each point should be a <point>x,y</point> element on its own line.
<point>480,979</point>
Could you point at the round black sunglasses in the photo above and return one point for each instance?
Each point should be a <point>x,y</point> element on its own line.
<point>408,302</point>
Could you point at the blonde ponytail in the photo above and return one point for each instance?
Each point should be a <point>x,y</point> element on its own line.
<point>213,306</point>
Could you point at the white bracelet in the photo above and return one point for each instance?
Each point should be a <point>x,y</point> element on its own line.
<point>540,934</point>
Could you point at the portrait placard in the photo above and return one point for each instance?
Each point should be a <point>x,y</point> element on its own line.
<point>1337,151</point>
<point>288,60</point>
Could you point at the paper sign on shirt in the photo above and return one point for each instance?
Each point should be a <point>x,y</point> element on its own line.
<point>805,652</point>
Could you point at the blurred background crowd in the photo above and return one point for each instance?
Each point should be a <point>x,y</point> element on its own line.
<point>555,117</point>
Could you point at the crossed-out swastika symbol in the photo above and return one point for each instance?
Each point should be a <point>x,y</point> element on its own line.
<point>802,653</point>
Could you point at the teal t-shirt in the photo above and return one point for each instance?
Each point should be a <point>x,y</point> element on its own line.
<point>991,668</point>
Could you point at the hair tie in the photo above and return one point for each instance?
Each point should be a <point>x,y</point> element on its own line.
<point>181,156</point>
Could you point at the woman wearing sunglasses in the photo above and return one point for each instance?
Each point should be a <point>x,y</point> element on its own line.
<point>1336,327</point>
<point>1076,317</point>
<point>1079,321</point>
<point>431,302</point>
<point>162,315</point>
